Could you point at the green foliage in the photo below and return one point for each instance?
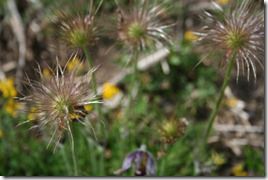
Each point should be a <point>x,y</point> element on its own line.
<point>254,161</point>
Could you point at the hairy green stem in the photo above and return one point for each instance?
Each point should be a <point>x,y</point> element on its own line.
<point>93,160</point>
<point>94,83</point>
<point>75,163</point>
<point>217,107</point>
<point>67,164</point>
<point>72,147</point>
<point>133,82</point>
<point>100,115</point>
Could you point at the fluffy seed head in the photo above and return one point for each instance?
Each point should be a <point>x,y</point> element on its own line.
<point>80,30</point>
<point>59,100</point>
<point>239,32</point>
<point>141,26</point>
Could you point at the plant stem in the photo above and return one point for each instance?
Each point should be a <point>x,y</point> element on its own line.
<point>92,154</point>
<point>67,164</point>
<point>75,163</point>
<point>94,83</point>
<point>133,82</point>
<point>216,109</point>
<point>100,115</point>
<point>73,150</point>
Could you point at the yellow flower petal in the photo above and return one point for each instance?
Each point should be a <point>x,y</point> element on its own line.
<point>5,93</point>
<point>88,107</point>
<point>31,116</point>
<point>8,89</point>
<point>46,73</point>
<point>10,110</point>
<point>10,82</point>
<point>13,92</point>
<point>73,63</point>
<point>232,102</point>
<point>217,158</point>
<point>74,116</point>
<point>223,1</point>
<point>190,36</point>
<point>109,90</point>
<point>238,170</point>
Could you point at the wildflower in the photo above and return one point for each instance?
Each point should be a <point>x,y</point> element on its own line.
<point>223,2</point>
<point>109,90</point>
<point>172,129</point>
<point>111,95</point>
<point>56,101</point>
<point>144,163</point>
<point>32,113</point>
<point>46,72</point>
<point>238,170</point>
<point>239,32</point>
<point>217,159</point>
<point>8,92</point>
<point>7,88</point>
<point>73,63</point>
<point>88,107</point>
<point>142,25</point>
<point>190,36</point>
<point>235,103</point>
<point>11,107</point>
<point>78,31</point>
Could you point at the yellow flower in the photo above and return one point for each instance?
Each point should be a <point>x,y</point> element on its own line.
<point>11,107</point>
<point>223,1</point>
<point>7,88</point>
<point>46,73</point>
<point>32,114</point>
<point>238,170</point>
<point>109,90</point>
<point>74,116</point>
<point>217,159</point>
<point>88,107</point>
<point>1,133</point>
<point>232,102</point>
<point>190,36</point>
<point>73,63</point>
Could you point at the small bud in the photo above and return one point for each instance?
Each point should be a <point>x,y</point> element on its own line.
<point>173,129</point>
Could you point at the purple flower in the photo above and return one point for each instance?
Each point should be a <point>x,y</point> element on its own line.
<point>144,163</point>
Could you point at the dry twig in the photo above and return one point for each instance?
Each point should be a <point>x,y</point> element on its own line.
<point>18,30</point>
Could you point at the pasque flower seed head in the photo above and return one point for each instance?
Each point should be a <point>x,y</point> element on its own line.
<point>239,31</point>
<point>58,99</point>
<point>80,30</point>
<point>142,25</point>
